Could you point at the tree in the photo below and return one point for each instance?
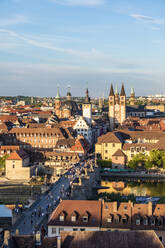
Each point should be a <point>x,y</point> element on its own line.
<point>2,162</point>
<point>138,160</point>
<point>104,163</point>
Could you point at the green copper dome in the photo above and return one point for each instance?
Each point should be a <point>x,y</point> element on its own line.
<point>58,94</point>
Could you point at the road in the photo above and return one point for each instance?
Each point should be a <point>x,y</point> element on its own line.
<point>46,203</point>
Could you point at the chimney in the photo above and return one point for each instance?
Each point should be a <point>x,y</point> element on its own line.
<point>115,207</point>
<point>58,242</point>
<point>149,208</point>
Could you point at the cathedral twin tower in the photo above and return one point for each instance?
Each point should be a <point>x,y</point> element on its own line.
<point>117,107</point>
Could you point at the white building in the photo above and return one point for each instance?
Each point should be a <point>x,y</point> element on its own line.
<point>83,128</point>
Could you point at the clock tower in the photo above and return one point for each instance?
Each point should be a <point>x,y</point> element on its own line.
<point>87,108</point>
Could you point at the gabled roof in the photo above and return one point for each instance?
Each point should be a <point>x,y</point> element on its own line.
<point>119,153</point>
<point>110,137</point>
<point>80,206</point>
<point>18,155</point>
<point>117,239</point>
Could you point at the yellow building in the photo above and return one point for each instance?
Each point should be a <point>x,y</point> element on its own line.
<point>129,142</point>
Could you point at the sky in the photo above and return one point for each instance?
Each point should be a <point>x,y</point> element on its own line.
<point>81,43</point>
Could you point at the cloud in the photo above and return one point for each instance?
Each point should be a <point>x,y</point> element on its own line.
<point>42,79</point>
<point>148,19</point>
<point>79,2</point>
<point>92,54</point>
<point>15,20</point>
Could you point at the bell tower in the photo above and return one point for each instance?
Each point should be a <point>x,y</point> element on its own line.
<point>122,105</point>
<point>111,113</point>
<point>132,97</point>
<point>87,108</point>
<point>58,104</point>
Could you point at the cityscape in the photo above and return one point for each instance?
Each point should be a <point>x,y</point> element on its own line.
<point>82,124</point>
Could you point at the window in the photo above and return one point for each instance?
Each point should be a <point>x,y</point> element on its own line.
<point>138,221</point>
<point>125,207</point>
<point>116,220</point>
<point>85,218</point>
<point>113,145</point>
<point>132,149</point>
<point>106,207</point>
<point>61,229</point>
<point>116,158</point>
<point>124,220</point>
<point>106,151</point>
<point>137,149</point>
<point>106,157</point>
<point>132,155</point>
<point>160,222</point>
<point>143,149</point>
<point>75,229</point>
<point>106,145</point>
<point>82,229</point>
<point>152,222</point>
<point>53,230</point>
<point>73,218</point>
<point>109,220</point>
<point>13,166</point>
<point>61,218</point>
<point>161,238</point>
<point>145,222</point>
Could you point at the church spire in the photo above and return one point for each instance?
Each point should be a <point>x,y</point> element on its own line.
<point>87,98</point>
<point>116,90</point>
<point>58,93</point>
<point>132,91</point>
<point>111,93</point>
<point>122,91</point>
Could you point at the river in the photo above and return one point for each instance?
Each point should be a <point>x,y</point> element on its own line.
<point>152,189</point>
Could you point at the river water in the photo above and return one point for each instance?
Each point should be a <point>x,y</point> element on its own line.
<point>152,189</point>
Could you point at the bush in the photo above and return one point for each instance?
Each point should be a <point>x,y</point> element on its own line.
<point>104,163</point>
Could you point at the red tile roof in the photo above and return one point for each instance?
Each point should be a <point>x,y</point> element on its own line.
<point>80,206</point>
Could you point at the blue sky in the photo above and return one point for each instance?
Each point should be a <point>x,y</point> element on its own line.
<point>45,43</point>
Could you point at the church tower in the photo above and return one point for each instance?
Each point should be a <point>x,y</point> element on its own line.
<point>122,105</point>
<point>68,96</point>
<point>58,104</point>
<point>117,107</point>
<point>87,108</point>
<point>132,97</point>
<point>111,113</point>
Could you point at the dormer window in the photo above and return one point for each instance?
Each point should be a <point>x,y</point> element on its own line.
<point>160,221</point>
<point>152,221</point>
<point>138,221</point>
<point>73,218</point>
<point>109,219</point>
<point>85,218</point>
<point>116,219</point>
<point>145,221</point>
<point>61,217</point>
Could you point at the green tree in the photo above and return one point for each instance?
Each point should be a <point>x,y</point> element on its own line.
<point>137,161</point>
<point>2,162</point>
<point>104,163</point>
